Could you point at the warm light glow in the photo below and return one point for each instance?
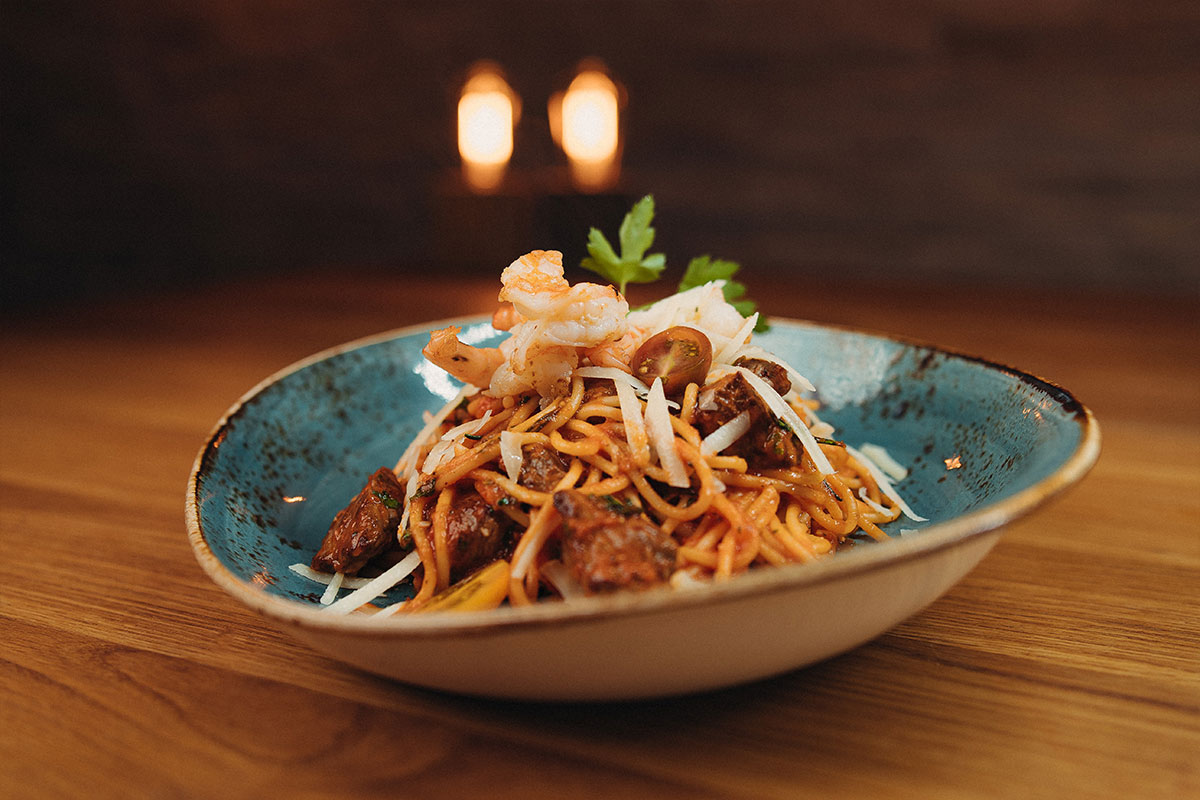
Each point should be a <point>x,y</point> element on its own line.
<point>589,129</point>
<point>487,112</point>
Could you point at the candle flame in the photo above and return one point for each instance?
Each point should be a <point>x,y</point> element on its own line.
<point>588,129</point>
<point>487,112</point>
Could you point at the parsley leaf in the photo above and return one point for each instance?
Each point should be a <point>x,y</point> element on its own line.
<point>634,238</point>
<point>703,269</point>
<point>386,499</point>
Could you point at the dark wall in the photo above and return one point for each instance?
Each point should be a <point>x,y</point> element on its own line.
<point>160,143</point>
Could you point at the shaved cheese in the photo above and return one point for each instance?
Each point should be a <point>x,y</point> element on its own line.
<point>392,609</point>
<point>635,425</point>
<point>658,426</point>
<point>332,589</point>
<point>725,435</point>
<point>786,413</point>
<point>822,429</point>
<point>409,490</point>
<point>557,575</point>
<point>754,351</point>
<point>894,469</point>
<point>862,495</point>
<point>884,485</point>
<point>376,586</point>
<point>726,354</point>
<point>618,376</point>
<point>468,427</point>
<point>408,460</point>
<point>511,454</point>
<point>305,571</point>
<point>440,454</point>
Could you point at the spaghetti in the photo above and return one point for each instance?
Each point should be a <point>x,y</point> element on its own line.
<point>586,478</point>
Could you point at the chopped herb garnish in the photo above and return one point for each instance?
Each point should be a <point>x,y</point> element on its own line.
<point>386,499</point>
<point>635,238</point>
<point>472,437</point>
<point>507,500</point>
<point>619,506</point>
<point>782,424</point>
<point>833,442</point>
<point>425,489</point>
<point>829,489</point>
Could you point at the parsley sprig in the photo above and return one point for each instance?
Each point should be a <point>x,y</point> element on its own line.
<point>634,266</point>
<point>635,238</point>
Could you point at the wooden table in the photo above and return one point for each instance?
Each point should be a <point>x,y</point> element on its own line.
<point>1065,665</point>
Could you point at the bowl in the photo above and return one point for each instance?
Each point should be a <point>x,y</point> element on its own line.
<point>985,444</point>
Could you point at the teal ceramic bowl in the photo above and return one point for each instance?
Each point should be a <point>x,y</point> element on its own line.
<point>985,444</point>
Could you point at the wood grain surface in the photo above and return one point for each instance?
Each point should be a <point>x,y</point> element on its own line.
<point>1065,665</point>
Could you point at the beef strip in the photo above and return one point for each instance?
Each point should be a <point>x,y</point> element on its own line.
<point>765,442</point>
<point>542,468</point>
<point>364,528</point>
<point>769,371</point>
<point>606,551</point>
<point>475,533</point>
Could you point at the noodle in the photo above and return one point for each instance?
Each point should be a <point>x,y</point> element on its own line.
<point>758,493</point>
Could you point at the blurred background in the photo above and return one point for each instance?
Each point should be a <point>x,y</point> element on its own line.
<point>151,145</point>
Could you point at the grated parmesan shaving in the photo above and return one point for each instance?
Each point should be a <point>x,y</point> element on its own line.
<point>754,351</point>
<point>725,435</point>
<point>377,586</point>
<point>557,575</point>
<point>635,425</point>
<point>658,426</point>
<point>511,454</point>
<point>615,375</point>
<point>884,485</point>
<point>408,460</point>
<point>862,495</point>
<point>305,571</point>
<point>441,453</point>
<point>726,354</point>
<point>468,427</point>
<point>786,413</point>
<point>409,490</point>
<point>331,590</point>
<point>894,469</point>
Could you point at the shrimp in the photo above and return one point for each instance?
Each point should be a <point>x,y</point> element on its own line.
<point>619,352</point>
<point>551,323</point>
<point>474,365</point>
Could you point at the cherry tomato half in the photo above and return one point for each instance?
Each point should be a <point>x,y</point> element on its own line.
<point>678,355</point>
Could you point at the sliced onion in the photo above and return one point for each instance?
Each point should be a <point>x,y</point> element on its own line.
<point>725,435</point>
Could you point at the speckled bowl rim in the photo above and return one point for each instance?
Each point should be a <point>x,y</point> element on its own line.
<point>940,536</point>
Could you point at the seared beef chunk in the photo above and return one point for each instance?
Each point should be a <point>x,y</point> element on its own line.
<point>542,468</point>
<point>766,441</point>
<point>475,534</point>
<point>769,371</point>
<point>364,528</point>
<point>606,550</point>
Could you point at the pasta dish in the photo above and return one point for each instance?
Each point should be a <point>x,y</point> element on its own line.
<point>599,449</point>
